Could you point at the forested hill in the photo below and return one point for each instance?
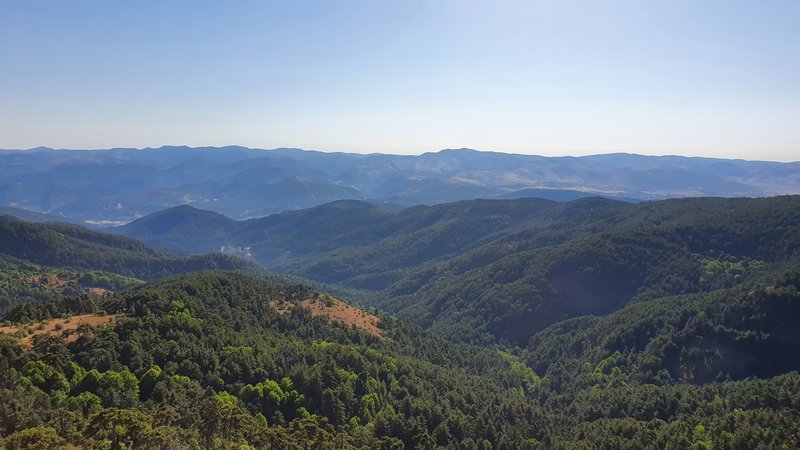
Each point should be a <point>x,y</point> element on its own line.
<point>524,281</point>
<point>222,359</point>
<point>65,245</point>
<point>732,333</point>
<point>185,229</point>
<point>24,282</point>
<point>211,360</point>
<point>488,270</point>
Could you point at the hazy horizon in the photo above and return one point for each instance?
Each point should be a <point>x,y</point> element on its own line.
<point>665,155</point>
<point>710,79</point>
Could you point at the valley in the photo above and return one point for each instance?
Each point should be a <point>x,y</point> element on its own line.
<point>504,324</point>
<point>488,271</point>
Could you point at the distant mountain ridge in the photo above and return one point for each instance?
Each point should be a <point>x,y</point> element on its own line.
<point>119,185</point>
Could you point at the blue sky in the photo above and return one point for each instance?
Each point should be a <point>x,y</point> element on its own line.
<point>707,78</point>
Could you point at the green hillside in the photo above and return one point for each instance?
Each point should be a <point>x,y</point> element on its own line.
<point>735,333</point>
<point>274,238</point>
<point>525,281</point>
<point>587,324</point>
<point>23,282</point>
<point>490,271</point>
<point>206,361</point>
<point>182,228</point>
<point>64,245</point>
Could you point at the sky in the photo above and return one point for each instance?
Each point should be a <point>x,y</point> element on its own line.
<point>697,77</point>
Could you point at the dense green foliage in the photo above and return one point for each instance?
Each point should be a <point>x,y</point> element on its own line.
<point>489,271</point>
<point>203,361</point>
<point>734,333</point>
<point>669,325</point>
<point>64,245</point>
<point>22,282</point>
<point>55,260</point>
<point>592,261</point>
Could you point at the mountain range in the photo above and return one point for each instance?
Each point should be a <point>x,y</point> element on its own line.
<point>599,324</point>
<point>502,270</point>
<point>118,185</point>
<point>457,299</point>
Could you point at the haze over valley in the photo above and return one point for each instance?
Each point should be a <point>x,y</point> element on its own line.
<point>119,185</point>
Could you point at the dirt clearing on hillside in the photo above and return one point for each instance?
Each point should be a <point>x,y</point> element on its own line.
<point>336,311</point>
<point>57,327</point>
